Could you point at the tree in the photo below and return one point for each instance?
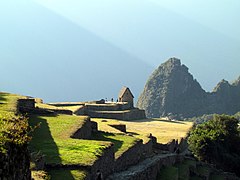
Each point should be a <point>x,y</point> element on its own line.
<point>217,141</point>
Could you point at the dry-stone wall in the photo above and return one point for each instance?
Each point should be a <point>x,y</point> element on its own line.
<point>105,164</point>
<point>85,131</point>
<point>133,155</point>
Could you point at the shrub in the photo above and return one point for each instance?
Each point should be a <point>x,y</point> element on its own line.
<point>217,141</point>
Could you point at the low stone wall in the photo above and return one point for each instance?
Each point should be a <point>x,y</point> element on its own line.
<point>104,165</point>
<point>147,169</point>
<point>15,163</point>
<point>85,131</point>
<point>132,114</point>
<point>63,111</point>
<point>172,146</point>
<point>133,155</point>
<point>108,107</point>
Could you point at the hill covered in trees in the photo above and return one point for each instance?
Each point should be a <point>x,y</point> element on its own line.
<point>172,91</point>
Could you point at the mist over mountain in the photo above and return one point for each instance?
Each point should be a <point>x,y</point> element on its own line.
<point>154,33</point>
<point>172,91</point>
<point>45,55</point>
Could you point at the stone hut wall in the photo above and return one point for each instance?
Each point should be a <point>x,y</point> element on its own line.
<point>15,163</point>
<point>85,131</point>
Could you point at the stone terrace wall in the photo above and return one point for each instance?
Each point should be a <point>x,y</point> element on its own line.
<point>132,114</point>
<point>148,169</point>
<point>15,163</point>
<point>105,164</point>
<point>85,131</point>
<point>108,107</point>
<point>133,155</point>
<point>172,146</point>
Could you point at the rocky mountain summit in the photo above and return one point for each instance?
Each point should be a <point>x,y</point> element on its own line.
<point>172,91</point>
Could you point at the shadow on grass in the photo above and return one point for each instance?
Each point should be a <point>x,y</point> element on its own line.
<point>43,141</point>
<point>104,136</point>
<point>132,133</point>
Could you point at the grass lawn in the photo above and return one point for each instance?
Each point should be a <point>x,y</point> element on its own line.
<point>8,103</point>
<point>164,130</point>
<point>67,174</point>
<point>103,125</point>
<point>52,138</point>
<point>121,142</point>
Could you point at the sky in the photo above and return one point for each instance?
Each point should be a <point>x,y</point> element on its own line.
<point>220,15</point>
<point>201,33</point>
<point>65,50</point>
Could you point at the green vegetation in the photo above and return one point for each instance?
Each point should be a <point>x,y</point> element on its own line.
<point>67,174</point>
<point>217,141</point>
<point>189,169</point>
<point>168,173</point>
<point>104,125</point>
<point>52,138</point>
<point>121,142</point>
<point>8,103</point>
<point>13,129</point>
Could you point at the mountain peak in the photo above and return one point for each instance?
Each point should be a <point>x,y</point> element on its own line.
<point>171,89</point>
<point>169,83</point>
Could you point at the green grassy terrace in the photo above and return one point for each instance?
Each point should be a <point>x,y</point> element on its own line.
<point>52,138</point>
<point>164,130</point>
<point>8,103</point>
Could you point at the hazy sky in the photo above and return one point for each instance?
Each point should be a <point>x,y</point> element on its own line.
<point>220,15</point>
<point>204,34</point>
<point>65,49</point>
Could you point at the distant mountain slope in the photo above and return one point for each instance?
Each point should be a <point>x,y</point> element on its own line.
<point>171,90</point>
<point>154,33</point>
<point>46,55</point>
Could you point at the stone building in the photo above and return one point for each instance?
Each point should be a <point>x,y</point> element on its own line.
<point>126,95</point>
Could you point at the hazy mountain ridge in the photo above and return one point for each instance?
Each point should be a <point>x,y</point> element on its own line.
<point>53,58</point>
<point>172,90</point>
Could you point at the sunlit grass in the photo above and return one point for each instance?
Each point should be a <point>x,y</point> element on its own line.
<point>164,130</point>
<point>52,138</point>
<point>8,102</point>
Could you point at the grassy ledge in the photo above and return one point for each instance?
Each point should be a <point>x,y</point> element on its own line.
<point>52,138</point>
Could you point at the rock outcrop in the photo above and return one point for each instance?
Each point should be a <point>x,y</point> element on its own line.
<point>172,91</point>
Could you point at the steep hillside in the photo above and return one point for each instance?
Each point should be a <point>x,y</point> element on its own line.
<point>172,90</point>
<point>51,57</point>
